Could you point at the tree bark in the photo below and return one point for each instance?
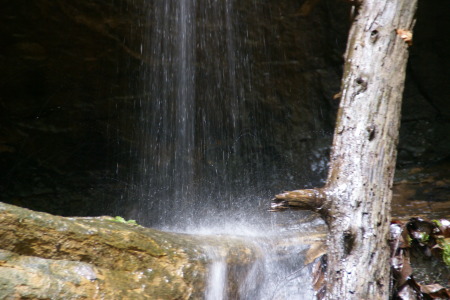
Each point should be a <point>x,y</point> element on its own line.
<point>356,199</point>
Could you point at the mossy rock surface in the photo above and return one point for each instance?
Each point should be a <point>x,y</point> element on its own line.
<point>49,257</point>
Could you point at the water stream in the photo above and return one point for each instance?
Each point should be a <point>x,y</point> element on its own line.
<point>278,270</point>
<point>206,154</point>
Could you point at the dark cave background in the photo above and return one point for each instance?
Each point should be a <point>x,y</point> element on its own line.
<point>70,72</point>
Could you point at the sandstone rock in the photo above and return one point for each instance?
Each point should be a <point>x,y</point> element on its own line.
<point>50,257</point>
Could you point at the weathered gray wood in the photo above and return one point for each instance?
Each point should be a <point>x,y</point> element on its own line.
<point>364,151</point>
<point>358,193</point>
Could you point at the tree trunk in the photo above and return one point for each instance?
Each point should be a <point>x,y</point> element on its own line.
<point>357,196</point>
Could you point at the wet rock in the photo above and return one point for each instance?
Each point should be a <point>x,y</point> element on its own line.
<point>72,73</point>
<point>422,192</point>
<point>50,257</point>
<point>420,259</point>
<point>425,109</point>
<point>58,98</point>
<point>71,82</point>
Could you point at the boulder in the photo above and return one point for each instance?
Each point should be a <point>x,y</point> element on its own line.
<point>50,257</point>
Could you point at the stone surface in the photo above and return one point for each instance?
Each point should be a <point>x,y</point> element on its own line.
<point>72,73</point>
<point>59,102</point>
<point>425,111</point>
<point>70,78</point>
<point>43,256</point>
<point>422,192</point>
<point>49,257</point>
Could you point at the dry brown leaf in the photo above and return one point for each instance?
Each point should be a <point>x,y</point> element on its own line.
<point>337,96</point>
<point>405,35</point>
<point>435,291</point>
<point>319,278</point>
<point>307,7</point>
<point>316,250</point>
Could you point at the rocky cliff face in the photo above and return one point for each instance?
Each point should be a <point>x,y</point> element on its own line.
<point>70,72</point>
<point>63,78</point>
<point>425,118</point>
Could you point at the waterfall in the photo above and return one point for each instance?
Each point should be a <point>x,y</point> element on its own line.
<point>217,277</point>
<point>206,153</point>
<point>278,271</point>
<point>198,140</point>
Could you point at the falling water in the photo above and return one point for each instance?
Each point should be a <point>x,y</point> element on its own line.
<point>204,151</point>
<point>202,137</point>
<point>278,272</point>
<point>216,288</point>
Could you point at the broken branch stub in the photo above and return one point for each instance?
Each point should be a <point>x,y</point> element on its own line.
<point>307,199</point>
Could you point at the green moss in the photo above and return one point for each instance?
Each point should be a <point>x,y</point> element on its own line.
<point>446,251</point>
<point>122,220</point>
<point>437,222</point>
<point>424,237</point>
<point>409,239</point>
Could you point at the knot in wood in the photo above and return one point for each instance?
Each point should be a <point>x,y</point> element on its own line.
<point>371,130</point>
<point>348,239</point>
<point>374,35</point>
<point>361,81</point>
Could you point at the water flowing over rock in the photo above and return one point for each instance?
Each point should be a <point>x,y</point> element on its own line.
<point>49,257</point>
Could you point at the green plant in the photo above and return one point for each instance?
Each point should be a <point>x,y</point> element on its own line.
<point>423,237</point>
<point>446,251</point>
<point>437,222</point>
<point>122,220</point>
